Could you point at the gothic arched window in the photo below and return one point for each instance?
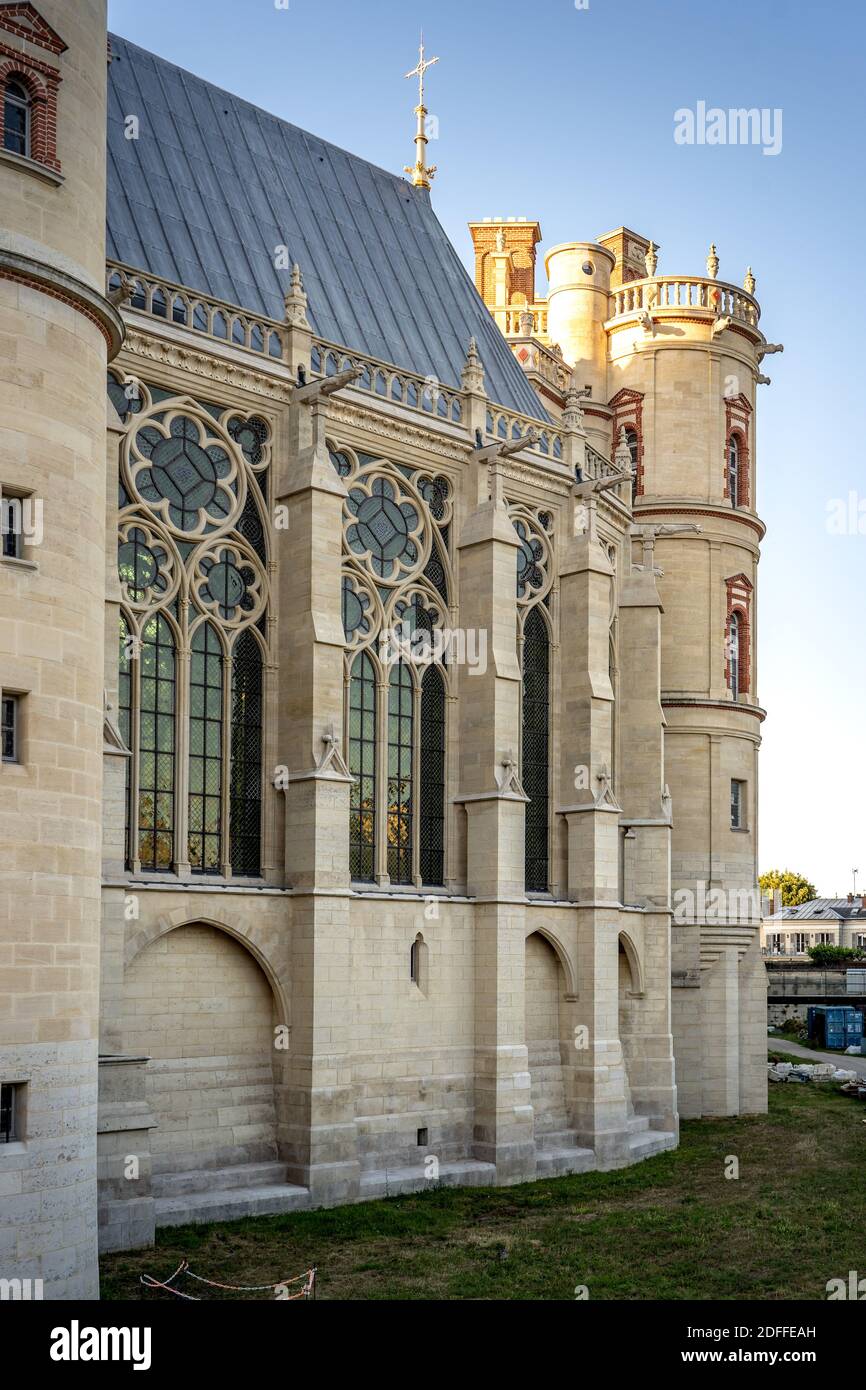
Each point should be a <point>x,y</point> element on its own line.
<point>205,751</point>
<point>535,760</point>
<point>734,655</point>
<point>192,564</point>
<point>156,745</point>
<point>734,470</point>
<point>362,765</point>
<point>396,585</point>
<point>401,801</point>
<point>247,718</point>
<point>17,118</point>
<point>431,812</point>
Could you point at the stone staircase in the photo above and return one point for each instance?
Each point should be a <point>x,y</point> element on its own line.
<point>556,1147</point>
<point>225,1194</point>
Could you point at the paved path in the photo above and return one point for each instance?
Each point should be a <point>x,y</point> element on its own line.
<point>777,1043</point>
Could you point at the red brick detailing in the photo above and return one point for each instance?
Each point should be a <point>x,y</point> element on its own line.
<point>627,407</point>
<point>754,710</point>
<point>53,293</point>
<point>40,79</point>
<point>749,521</point>
<point>738,411</point>
<point>25,22</point>
<point>739,601</point>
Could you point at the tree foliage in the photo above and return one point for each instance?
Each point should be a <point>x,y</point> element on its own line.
<point>794,887</point>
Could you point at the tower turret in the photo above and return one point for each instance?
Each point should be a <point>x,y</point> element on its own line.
<point>52,578</point>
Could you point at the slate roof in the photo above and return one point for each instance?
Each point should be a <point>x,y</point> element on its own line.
<point>832,909</point>
<point>213,184</point>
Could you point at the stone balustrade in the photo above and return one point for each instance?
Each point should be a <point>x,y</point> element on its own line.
<point>685,292</point>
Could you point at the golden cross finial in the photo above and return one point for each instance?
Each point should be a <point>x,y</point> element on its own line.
<point>420,69</point>
<point>421,174</point>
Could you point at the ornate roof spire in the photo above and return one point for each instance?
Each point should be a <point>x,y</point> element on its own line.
<point>472,376</point>
<point>421,174</point>
<point>296,300</point>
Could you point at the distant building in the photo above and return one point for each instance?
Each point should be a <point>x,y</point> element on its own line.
<point>790,931</point>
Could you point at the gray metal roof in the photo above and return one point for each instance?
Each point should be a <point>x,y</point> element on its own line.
<point>213,185</point>
<point>831,909</point>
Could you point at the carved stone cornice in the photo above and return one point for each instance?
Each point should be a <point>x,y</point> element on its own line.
<point>206,365</point>
<point>400,431</point>
<point>58,284</point>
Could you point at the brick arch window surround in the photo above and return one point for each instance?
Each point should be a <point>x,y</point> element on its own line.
<point>738,636</point>
<point>738,411</point>
<point>627,406</point>
<point>38,77</point>
<point>41,111</point>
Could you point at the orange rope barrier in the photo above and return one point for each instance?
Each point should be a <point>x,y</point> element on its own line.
<point>308,1278</point>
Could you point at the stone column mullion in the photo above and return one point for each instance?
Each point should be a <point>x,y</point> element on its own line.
<point>416,777</point>
<point>135,738</point>
<point>381,849</point>
<point>182,866</point>
<point>449,869</point>
<point>226,766</point>
<point>272,860</point>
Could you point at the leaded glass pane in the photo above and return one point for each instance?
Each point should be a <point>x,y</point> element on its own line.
<point>400,790</point>
<point>245,818</point>
<point>205,756</point>
<point>362,764</point>
<point>536,715</point>
<point>156,742</point>
<point>432,789</point>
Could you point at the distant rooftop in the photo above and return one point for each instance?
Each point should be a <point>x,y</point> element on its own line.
<point>833,909</point>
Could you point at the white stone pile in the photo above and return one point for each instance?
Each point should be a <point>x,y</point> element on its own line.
<point>808,1071</point>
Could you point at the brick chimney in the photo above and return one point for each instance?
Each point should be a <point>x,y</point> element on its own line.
<point>850,897</point>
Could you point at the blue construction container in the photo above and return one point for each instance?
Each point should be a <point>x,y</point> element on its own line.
<point>834,1026</point>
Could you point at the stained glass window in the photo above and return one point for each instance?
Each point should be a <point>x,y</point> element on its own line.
<point>400,798</point>
<point>251,528</point>
<point>432,778</point>
<point>183,473</point>
<point>156,746</point>
<point>245,818</point>
<point>536,755</point>
<point>362,764</point>
<point>205,751</point>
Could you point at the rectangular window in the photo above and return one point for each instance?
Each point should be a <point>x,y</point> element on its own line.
<point>11,1112</point>
<point>9,735</point>
<point>11,531</point>
<point>738,805</point>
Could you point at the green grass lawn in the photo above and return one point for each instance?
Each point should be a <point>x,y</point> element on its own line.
<point>670,1228</point>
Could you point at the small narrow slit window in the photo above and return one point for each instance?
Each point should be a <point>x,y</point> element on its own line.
<point>11,1112</point>
<point>10,729</point>
<point>12,527</point>
<point>738,805</point>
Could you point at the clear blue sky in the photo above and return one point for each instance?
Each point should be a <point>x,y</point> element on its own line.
<point>566,115</point>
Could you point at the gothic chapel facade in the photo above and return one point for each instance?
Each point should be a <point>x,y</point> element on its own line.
<point>377,671</point>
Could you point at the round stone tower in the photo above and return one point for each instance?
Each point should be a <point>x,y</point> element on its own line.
<point>61,331</point>
<point>684,355</point>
